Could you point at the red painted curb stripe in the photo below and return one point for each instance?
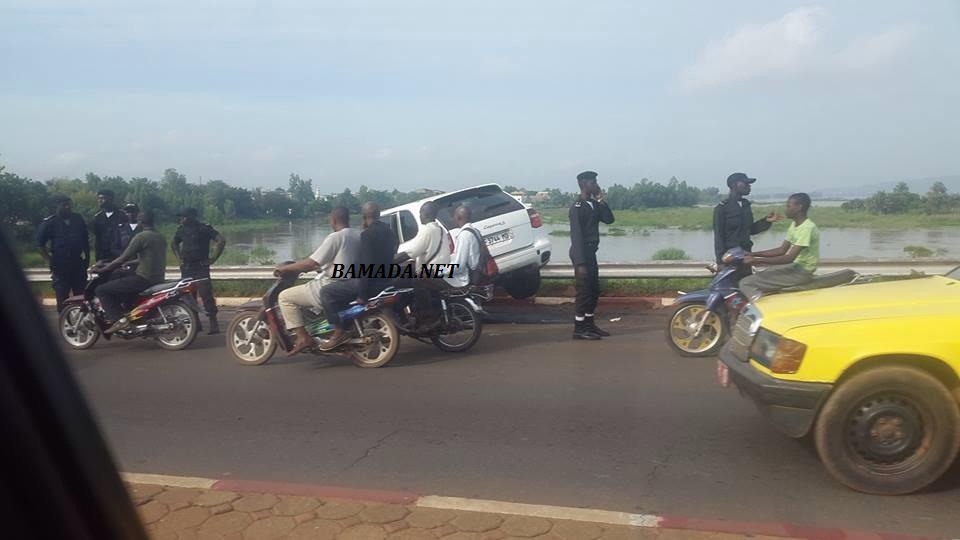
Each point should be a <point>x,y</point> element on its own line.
<point>322,492</point>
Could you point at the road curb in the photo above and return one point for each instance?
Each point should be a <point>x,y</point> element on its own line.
<point>588,515</point>
<point>229,301</point>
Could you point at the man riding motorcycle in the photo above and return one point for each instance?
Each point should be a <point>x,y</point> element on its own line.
<point>428,247</point>
<point>150,247</point>
<point>342,247</point>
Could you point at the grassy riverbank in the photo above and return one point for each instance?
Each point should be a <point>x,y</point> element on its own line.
<point>825,218</point>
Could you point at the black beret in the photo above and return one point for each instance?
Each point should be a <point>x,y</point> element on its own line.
<point>587,175</point>
<point>106,193</point>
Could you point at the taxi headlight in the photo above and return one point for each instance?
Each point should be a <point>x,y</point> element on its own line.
<point>780,354</point>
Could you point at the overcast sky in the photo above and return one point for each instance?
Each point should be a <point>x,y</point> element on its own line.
<point>447,94</point>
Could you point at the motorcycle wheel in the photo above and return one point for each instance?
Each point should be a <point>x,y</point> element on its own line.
<point>384,346</point>
<point>679,331</point>
<point>179,338</point>
<point>251,345</point>
<point>463,330</point>
<point>85,336</point>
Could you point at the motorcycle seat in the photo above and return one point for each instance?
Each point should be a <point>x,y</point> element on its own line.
<point>832,279</point>
<point>157,288</point>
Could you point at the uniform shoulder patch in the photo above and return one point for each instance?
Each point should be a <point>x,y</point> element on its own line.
<point>577,204</point>
<point>48,218</point>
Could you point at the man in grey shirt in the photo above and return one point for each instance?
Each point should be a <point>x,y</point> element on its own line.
<point>342,246</point>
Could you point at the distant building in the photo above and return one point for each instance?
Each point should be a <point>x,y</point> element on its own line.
<point>541,196</point>
<point>519,195</point>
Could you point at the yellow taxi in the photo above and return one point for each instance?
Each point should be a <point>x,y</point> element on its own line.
<point>870,372</point>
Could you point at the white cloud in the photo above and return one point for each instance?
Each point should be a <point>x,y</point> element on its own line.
<point>70,157</point>
<point>789,47</point>
<point>265,154</point>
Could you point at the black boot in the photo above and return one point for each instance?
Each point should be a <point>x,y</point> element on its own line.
<point>214,327</point>
<point>581,331</point>
<point>592,326</point>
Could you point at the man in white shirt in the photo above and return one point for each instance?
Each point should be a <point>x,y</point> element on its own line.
<point>342,246</point>
<point>429,247</point>
<point>466,251</point>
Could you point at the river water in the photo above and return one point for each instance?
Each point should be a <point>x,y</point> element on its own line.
<point>297,239</point>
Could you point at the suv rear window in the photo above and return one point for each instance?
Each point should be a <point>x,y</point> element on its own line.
<point>484,202</point>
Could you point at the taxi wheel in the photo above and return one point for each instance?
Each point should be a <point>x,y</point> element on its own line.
<point>888,431</point>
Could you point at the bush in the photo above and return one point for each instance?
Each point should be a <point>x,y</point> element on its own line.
<point>233,257</point>
<point>919,252</point>
<point>262,255</point>
<point>671,254</point>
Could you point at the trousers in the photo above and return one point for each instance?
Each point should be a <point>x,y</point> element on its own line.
<point>292,300</point>
<point>204,288</point>
<point>123,286</point>
<point>588,285</point>
<point>773,279</point>
<point>67,279</point>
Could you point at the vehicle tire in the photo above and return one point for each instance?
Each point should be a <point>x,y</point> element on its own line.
<point>522,283</point>
<point>462,315</point>
<point>248,349</point>
<point>888,431</point>
<point>184,336</point>
<point>85,336</point>
<point>679,333</point>
<point>384,347</point>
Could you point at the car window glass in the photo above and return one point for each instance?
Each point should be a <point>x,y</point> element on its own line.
<point>408,225</point>
<point>484,202</point>
<point>391,221</point>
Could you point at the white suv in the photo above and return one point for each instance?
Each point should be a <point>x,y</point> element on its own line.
<point>513,233</point>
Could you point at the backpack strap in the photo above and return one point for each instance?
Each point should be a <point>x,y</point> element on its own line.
<point>439,245</point>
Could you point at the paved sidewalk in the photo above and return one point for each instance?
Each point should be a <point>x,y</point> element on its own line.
<point>175,513</point>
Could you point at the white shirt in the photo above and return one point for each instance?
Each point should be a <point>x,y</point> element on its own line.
<point>341,247</point>
<point>466,253</point>
<point>108,214</point>
<point>133,226</point>
<point>429,238</point>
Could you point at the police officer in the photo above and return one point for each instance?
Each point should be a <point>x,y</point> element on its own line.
<point>69,251</point>
<point>129,229</point>
<point>106,227</point>
<point>733,220</point>
<point>585,217</point>
<point>191,245</point>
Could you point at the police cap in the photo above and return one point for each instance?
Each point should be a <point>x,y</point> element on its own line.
<point>586,175</point>
<point>188,213</point>
<point>739,177</point>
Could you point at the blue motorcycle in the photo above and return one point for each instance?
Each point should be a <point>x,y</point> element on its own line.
<point>702,320</point>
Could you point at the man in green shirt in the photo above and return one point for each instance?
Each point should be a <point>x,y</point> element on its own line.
<point>150,247</point>
<point>794,262</point>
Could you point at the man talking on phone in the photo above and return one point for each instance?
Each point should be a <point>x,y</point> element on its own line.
<point>585,216</point>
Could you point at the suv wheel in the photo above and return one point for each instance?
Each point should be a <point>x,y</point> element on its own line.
<point>522,283</point>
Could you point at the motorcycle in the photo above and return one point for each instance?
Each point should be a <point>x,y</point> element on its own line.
<point>460,325</point>
<point>166,312</point>
<point>258,328</point>
<point>702,320</point>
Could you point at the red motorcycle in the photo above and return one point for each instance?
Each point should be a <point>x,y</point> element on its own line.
<point>166,312</point>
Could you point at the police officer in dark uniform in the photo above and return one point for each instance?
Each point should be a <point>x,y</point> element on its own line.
<point>191,245</point>
<point>733,221</point>
<point>585,217</point>
<point>69,251</point>
<point>129,229</point>
<point>106,227</point>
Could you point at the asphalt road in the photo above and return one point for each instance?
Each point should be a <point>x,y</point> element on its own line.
<point>528,416</point>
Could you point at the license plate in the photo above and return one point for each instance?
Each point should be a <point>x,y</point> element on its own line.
<point>498,238</point>
<point>723,374</point>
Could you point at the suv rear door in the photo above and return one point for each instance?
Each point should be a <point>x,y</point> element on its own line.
<point>502,220</point>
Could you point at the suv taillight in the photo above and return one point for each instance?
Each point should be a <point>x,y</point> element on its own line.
<point>535,220</point>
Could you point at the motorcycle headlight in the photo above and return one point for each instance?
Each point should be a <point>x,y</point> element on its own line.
<point>780,354</point>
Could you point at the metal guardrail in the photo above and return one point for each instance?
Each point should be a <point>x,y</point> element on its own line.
<point>665,269</point>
